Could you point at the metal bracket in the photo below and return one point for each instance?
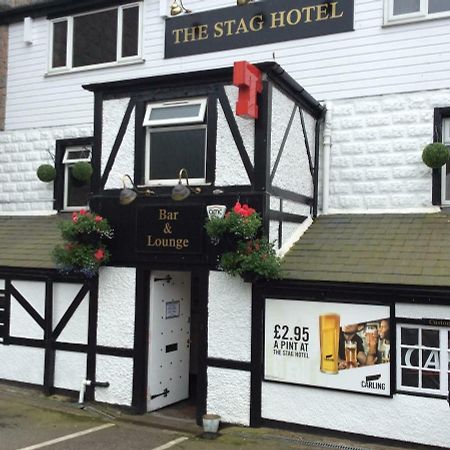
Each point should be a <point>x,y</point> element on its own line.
<point>163,393</point>
<point>168,278</point>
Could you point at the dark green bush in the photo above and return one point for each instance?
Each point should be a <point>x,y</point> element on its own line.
<point>82,171</point>
<point>435,155</point>
<point>46,173</point>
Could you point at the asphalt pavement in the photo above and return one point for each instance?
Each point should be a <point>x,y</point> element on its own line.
<point>29,420</point>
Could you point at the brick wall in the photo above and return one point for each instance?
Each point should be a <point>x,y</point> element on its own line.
<point>21,153</point>
<point>376,155</point>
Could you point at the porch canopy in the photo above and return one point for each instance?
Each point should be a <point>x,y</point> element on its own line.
<point>400,249</point>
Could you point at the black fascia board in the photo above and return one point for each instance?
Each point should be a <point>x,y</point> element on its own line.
<point>55,8</point>
<point>223,75</point>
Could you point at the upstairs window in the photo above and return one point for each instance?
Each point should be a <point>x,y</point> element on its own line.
<point>423,359</point>
<point>175,139</point>
<point>399,11</point>
<point>445,171</point>
<point>108,37</point>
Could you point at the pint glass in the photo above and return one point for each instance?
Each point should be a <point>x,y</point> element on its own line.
<point>329,342</point>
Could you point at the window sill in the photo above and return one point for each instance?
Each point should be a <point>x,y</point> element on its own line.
<point>129,62</point>
<point>416,19</point>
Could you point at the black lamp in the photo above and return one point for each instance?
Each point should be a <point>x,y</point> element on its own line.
<point>128,195</point>
<point>180,191</point>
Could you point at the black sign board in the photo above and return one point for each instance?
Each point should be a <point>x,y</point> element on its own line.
<point>170,229</point>
<point>256,24</point>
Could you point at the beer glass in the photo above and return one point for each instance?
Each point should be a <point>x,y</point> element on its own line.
<point>350,354</point>
<point>329,325</point>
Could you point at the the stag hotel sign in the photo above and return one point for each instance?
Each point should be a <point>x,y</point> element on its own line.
<point>257,23</point>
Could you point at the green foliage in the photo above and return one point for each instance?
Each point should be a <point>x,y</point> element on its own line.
<point>254,258</point>
<point>242,222</point>
<point>84,250</point>
<point>82,171</point>
<point>46,173</point>
<point>435,155</point>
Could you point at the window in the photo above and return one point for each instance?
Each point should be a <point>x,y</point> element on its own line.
<point>445,171</point>
<point>423,359</point>
<point>102,37</point>
<point>175,139</point>
<point>398,11</point>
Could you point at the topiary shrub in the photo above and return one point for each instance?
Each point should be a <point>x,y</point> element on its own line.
<point>82,171</point>
<point>46,173</point>
<point>435,155</point>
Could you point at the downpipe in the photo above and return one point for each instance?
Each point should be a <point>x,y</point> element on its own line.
<point>92,383</point>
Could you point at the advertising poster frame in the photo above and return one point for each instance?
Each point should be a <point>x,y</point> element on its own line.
<point>365,381</point>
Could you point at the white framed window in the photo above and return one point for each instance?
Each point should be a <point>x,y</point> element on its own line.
<point>445,171</point>
<point>176,138</point>
<point>403,11</point>
<point>423,359</point>
<point>96,39</point>
<point>75,192</point>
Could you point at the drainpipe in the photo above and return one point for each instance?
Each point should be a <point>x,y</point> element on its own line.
<point>326,159</point>
<point>85,383</point>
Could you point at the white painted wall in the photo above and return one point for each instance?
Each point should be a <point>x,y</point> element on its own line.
<point>116,306</point>
<point>229,395</point>
<point>70,370</point>
<point>21,153</point>
<point>76,330</point>
<point>376,151</point>
<point>229,317</point>
<point>21,323</point>
<point>119,373</point>
<point>404,417</point>
<point>23,364</point>
<point>371,60</point>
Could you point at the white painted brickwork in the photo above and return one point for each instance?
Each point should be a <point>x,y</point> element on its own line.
<point>21,153</point>
<point>376,153</point>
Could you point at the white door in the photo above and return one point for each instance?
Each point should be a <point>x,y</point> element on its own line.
<point>169,342</point>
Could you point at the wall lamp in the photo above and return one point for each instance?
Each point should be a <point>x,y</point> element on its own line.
<point>177,7</point>
<point>128,195</point>
<point>243,2</point>
<point>181,191</point>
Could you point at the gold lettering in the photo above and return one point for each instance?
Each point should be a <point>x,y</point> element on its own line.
<point>228,24</point>
<point>189,34</point>
<point>259,25</point>
<point>202,32</point>
<point>218,30</point>
<point>278,19</point>
<point>177,35</point>
<point>242,27</point>
<point>333,11</point>
<point>322,12</point>
<point>307,10</point>
<point>289,17</point>
<point>177,244</point>
<point>168,215</point>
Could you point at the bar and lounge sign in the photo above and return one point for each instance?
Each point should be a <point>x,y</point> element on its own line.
<point>170,230</point>
<point>256,24</point>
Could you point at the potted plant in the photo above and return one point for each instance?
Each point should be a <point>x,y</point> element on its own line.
<point>242,252</point>
<point>84,250</point>
<point>435,155</point>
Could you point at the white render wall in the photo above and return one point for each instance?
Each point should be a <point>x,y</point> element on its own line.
<point>376,151</point>
<point>116,307</point>
<point>18,361</point>
<point>404,417</point>
<point>229,395</point>
<point>370,60</point>
<point>21,153</point>
<point>229,317</point>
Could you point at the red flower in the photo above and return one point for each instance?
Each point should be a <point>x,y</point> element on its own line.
<point>83,212</point>
<point>74,217</point>
<point>243,210</point>
<point>98,218</point>
<point>99,254</point>
<point>237,208</point>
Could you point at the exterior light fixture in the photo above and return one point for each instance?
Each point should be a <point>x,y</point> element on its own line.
<point>177,7</point>
<point>243,2</point>
<point>128,195</point>
<point>180,191</point>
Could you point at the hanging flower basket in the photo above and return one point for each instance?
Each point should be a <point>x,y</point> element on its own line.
<point>435,155</point>
<point>46,173</point>
<point>82,171</point>
<point>85,249</point>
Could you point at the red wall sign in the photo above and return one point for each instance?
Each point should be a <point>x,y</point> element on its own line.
<point>248,79</point>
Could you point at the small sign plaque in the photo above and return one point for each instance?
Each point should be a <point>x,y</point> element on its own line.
<point>172,309</point>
